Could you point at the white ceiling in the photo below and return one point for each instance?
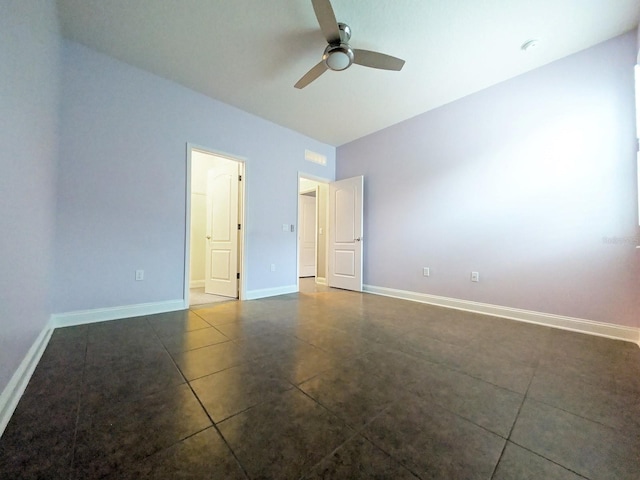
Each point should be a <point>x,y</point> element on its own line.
<point>250,53</point>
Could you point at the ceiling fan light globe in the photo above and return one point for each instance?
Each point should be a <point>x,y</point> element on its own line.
<point>338,57</point>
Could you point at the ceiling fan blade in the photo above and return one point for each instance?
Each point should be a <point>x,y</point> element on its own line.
<point>311,75</point>
<point>327,20</point>
<point>371,59</point>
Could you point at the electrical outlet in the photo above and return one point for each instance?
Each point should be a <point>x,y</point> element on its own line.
<point>139,275</point>
<point>273,267</point>
<point>425,272</point>
<point>475,276</point>
<point>285,227</point>
<point>293,228</point>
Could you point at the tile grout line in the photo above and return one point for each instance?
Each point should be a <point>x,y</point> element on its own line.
<point>215,427</point>
<point>525,397</point>
<point>515,420</point>
<point>145,396</point>
<point>357,431</point>
<point>213,424</point>
<point>582,417</point>
<point>185,381</point>
<point>379,447</point>
<point>551,461</point>
<point>458,369</point>
<point>78,407</point>
<point>445,407</point>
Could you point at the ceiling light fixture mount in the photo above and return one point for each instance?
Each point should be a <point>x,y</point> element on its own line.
<point>530,45</point>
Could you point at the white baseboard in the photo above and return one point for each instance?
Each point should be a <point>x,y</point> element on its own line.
<point>270,292</point>
<point>321,280</point>
<point>196,284</point>
<point>608,330</point>
<point>11,394</point>
<point>82,317</point>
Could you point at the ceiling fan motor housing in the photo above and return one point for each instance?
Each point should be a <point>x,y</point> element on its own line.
<point>345,32</point>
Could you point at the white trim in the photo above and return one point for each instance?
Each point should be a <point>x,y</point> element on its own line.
<point>82,317</point>
<point>15,388</point>
<point>316,233</point>
<point>187,227</point>
<point>242,241</point>
<point>591,327</point>
<point>196,284</point>
<point>321,280</point>
<point>271,292</point>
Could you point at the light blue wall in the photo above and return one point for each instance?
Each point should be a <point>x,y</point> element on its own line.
<point>531,182</point>
<point>121,201</point>
<point>29,73</point>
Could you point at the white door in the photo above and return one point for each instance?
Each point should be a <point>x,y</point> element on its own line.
<point>307,235</point>
<point>345,233</point>
<point>221,268</point>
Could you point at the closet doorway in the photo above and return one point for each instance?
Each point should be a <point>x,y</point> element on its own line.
<point>215,233</point>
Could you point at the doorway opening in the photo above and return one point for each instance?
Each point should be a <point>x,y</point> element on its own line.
<point>313,196</point>
<point>215,228</point>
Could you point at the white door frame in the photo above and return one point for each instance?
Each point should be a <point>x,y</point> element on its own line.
<point>242,240</point>
<point>325,244</point>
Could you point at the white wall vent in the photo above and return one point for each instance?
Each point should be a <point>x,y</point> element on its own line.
<point>315,157</point>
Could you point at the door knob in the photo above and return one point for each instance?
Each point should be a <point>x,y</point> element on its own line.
<point>358,239</point>
<point>208,237</point>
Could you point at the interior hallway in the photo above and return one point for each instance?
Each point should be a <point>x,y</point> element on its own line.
<point>327,384</point>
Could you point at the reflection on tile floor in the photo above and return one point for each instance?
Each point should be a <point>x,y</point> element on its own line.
<point>327,384</point>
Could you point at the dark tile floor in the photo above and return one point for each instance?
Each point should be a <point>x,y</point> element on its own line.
<point>327,385</point>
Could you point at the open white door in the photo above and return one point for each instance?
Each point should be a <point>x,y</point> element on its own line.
<point>345,233</point>
<point>221,268</point>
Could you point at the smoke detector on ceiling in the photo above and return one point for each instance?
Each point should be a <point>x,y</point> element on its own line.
<point>530,45</point>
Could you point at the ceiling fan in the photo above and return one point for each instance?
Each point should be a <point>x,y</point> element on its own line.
<point>338,55</point>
